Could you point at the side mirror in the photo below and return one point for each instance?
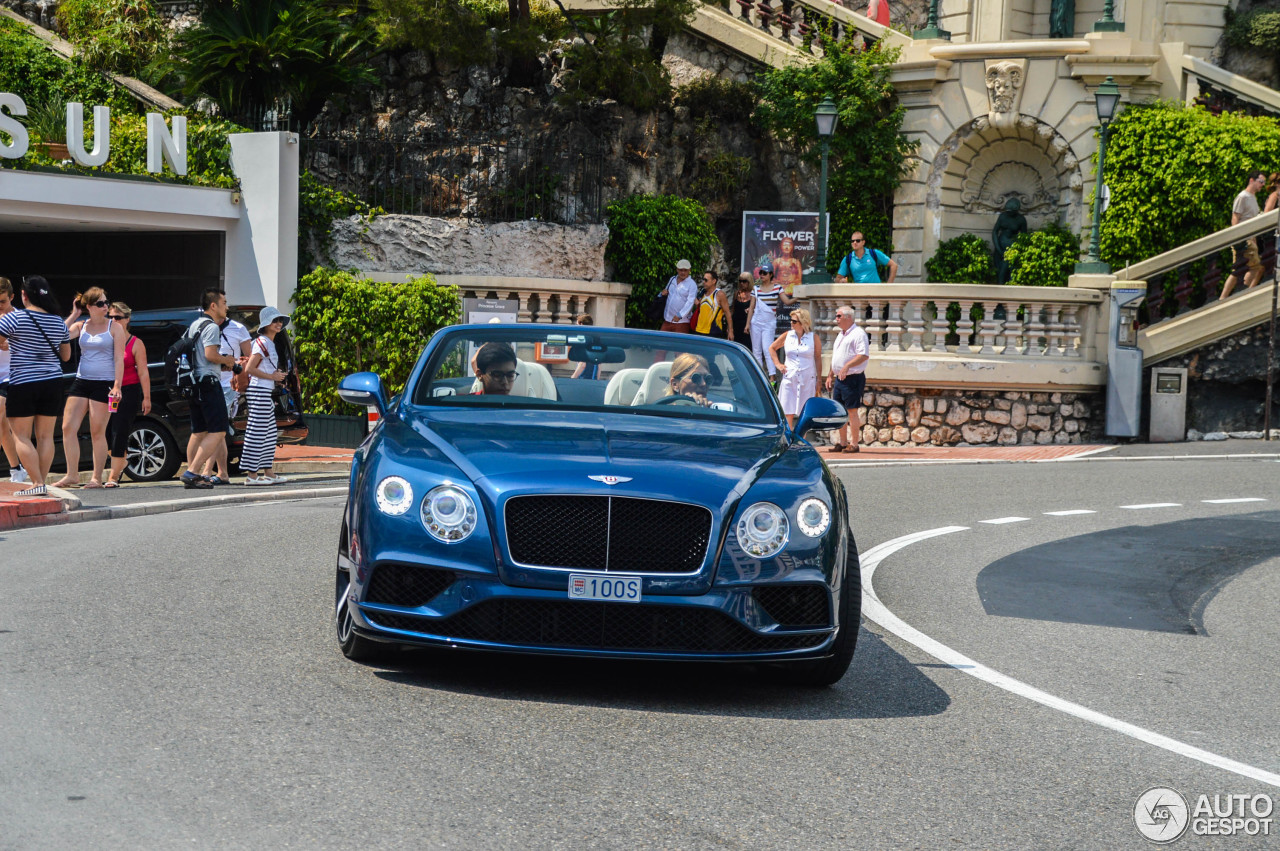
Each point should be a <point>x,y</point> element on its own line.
<point>363,389</point>
<point>820,414</point>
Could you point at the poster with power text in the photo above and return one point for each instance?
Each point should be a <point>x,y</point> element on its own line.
<point>789,241</point>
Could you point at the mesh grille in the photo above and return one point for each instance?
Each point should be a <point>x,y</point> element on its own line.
<point>578,532</point>
<point>407,585</point>
<point>799,605</point>
<point>604,626</point>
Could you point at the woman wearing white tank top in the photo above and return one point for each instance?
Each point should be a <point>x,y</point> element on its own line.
<point>98,378</point>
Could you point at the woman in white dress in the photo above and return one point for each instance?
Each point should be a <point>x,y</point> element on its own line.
<point>803,365</point>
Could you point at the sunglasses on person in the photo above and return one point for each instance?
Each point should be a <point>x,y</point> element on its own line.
<point>102,302</point>
<point>856,241</point>
<point>699,377</point>
<point>117,318</point>
<point>795,322</point>
<point>498,375</point>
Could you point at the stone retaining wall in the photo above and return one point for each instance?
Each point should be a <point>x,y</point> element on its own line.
<point>915,416</point>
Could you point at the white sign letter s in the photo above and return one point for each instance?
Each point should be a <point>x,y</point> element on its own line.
<point>9,125</point>
<point>174,146</point>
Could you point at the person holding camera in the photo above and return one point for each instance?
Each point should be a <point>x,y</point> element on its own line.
<point>208,407</point>
<point>135,394</point>
<point>234,337</point>
<point>259,452</point>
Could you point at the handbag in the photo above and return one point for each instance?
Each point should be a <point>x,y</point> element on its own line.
<point>657,309</point>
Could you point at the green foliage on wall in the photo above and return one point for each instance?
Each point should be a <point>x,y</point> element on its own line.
<point>868,151</point>
<point>29,69</point>
<point>647,235</point>
<point>966,259</point>
<point>1173,172</point>
<point>720,101</point>
<point>1258,29</point>
<point>318,206</point>
<point>119,36</point>
<point>458,32</point>
<point>614,63</point>
<point>1043,258</point>
<point>722,175</point>
<point>345,324</point>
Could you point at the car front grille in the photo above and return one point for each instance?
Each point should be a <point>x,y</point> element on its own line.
<point>795,605</point>
<point>407,585</point>
<point>602,626</point>
<point>618,534</point>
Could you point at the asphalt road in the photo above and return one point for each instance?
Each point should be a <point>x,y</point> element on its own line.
<point>173,680</point>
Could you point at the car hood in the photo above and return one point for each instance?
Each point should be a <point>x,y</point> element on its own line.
<point>516,451</point>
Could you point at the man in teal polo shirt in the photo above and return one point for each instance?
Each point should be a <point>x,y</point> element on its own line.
<point>861,265</point>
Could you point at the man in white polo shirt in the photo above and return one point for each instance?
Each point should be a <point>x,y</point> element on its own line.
<point>847,378</point>
<point>681,293</point>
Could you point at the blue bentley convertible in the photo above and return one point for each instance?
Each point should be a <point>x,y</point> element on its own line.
<point>587,491</point>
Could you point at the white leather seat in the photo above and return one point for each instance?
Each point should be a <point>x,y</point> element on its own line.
<point>655,384</point>
<point>624,385</point>
<point>534,380</point>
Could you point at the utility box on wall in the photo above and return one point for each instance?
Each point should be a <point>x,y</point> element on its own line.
<point>1168,405</point>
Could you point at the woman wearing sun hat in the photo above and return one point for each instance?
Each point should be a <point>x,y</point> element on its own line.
<point>259,452</point>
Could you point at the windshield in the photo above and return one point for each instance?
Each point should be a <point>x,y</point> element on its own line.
<point>587,368</point>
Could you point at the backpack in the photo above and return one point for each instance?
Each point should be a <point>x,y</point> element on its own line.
<point>180,363</point>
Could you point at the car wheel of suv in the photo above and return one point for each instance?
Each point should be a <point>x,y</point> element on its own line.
<point>828,671</point>
<point>354,647</point>
<point>153,454</point>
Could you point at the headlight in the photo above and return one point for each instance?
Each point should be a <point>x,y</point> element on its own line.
<point>763,530</point>
<point>394,496</point>
<point>448,513</point>
<point>813,517</point>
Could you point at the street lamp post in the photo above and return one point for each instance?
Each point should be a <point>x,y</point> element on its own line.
<point>1107,98</point>
<point>827,117</point>
<point>1108,23</point>
<point>931,28</point>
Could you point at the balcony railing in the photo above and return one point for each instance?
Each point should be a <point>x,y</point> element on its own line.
<point>798,22</point>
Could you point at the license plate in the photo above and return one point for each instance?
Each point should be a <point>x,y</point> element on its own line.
<point>618,589</point>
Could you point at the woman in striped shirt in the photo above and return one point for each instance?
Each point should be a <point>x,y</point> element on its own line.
<point>36,338</point>
<point>259,452</point>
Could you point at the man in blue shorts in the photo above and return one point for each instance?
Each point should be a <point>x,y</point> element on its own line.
<point>847,378</point>
<point>861,265</point>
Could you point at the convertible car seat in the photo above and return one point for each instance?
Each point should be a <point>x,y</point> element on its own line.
<point>624,385</point>
<point>655,384</point>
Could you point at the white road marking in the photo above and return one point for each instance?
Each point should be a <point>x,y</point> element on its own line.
<point>1229,501</point>
<point>1153,505</point>
<point>1070,511</point>
<point>876,611</point>
<point>1084,454</point>
<point>1002,520</point>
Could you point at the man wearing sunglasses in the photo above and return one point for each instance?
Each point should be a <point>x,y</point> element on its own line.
<point>861,265</point>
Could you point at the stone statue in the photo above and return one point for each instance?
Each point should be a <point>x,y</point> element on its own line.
<point>1004,89</point>
<point>1062,19</point>
<point>1009,224</point>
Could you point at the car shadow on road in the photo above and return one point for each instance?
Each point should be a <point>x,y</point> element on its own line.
<point>1157,578</point>
<point>880,684</point>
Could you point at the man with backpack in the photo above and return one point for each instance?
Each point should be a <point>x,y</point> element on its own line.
<point>861,265</point>
<point>209,419</point>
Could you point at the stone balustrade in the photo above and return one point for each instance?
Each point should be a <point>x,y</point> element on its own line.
<point>798,21</point>
<point>997,336</point>
<point>541,299</point>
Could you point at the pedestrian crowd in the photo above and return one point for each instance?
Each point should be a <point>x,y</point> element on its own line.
<point>749,315</point>
<point>112,387</point>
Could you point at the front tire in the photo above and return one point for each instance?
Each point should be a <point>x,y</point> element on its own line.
<point>353,646</point>
<point>819,673</point>
<point>152,454</point>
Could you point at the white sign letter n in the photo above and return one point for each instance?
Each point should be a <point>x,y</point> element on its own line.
<point>174,146</point>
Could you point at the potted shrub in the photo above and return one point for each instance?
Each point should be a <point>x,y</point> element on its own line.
<point>48,123</point>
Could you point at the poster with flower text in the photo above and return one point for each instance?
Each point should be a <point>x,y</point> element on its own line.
<point>786,240</point>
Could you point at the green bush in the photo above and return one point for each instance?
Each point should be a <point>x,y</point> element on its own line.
<point>1174,171</point>
<point>345,324</point>
<point>1258,29</point>
<point>647,235</point>
<point>868,151</point>
<point>966,259</point>
<point>29,69</point>
<point>1043,258</point>
<point>721,175</point>
<point>120,36</point>
<point>615,63</point>
<point>458,31</point>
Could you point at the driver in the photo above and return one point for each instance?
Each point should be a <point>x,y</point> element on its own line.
<point>691,377</point>
<point>495,365</point>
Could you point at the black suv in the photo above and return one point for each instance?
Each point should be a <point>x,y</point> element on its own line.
<point>158,441</point>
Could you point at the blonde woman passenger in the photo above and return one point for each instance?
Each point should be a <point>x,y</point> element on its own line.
<point>803,365</point>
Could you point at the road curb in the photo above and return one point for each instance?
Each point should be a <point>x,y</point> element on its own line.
<point>139,509</point>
